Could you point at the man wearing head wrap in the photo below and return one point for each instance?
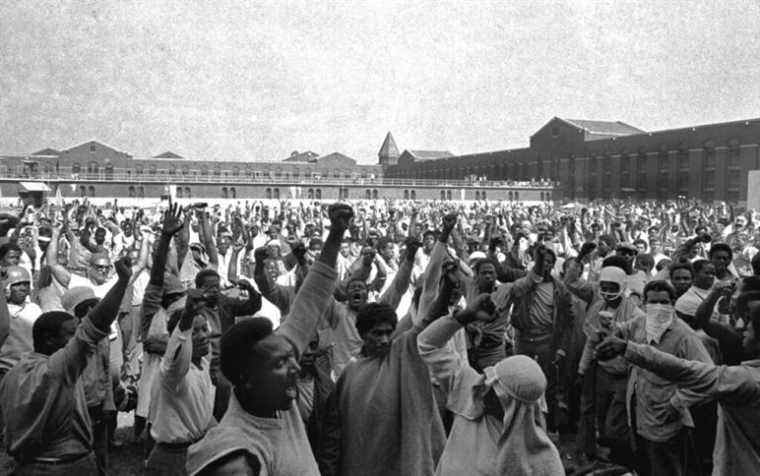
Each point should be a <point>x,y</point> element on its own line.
<point>604,383</point>
<point>499,426</point>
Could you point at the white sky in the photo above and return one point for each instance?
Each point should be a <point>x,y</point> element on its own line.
<point>256,80</point>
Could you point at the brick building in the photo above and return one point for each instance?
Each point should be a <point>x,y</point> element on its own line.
<point>600,159</point>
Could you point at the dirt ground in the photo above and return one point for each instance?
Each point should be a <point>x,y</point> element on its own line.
<point>127,459</point>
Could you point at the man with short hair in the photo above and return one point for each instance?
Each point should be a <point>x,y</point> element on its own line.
<point>661,435</point>
<point>736,389</point>
<point>262,431</point>
<point>48,428</point>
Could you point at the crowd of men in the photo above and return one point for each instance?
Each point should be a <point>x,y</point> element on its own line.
<point>382,338</point>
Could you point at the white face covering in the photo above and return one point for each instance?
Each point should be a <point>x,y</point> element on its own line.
<point>659,318</point>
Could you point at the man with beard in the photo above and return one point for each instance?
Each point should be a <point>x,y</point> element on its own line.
<point>604,383</point>
<point>735,388</point>
<point>262,432</point>
<point>662,438</point>
<point>48,427</point>
<point>386,389</point>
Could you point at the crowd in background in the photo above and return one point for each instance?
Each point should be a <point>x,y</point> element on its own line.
<point>382,337</point>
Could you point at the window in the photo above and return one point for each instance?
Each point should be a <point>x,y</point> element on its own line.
<point>555,131</point>
<point>269,193</point>
<point>236,171</point>
<point>138,169</point>
<point>109,171</point>
<point>82,191</point>
<point>510,196</point>
<point>477,195</point>
<point>517,195</point>
<point>233,192</point>
<point>448,194</point>
<point>443,194</point>
<point>641,173</point>
<point>276,193</point>
<point>185,170</point>
<point>625,171</point>
<point>413,195</point>
<point>75,168</point>
<point>374,194</point>
<point>170,171</point>
<point>708,174</point>
<point>310,194</point>
<point>131,191</point>
<point>141,191</point>
<point>406,194</point>
<point>483,195</point>
<point>187,192</point>
<point>92,168</point>
<point>682,179</point>
<point>91,191</point>
<point>179,192</point>
<point>318,194</point>
<point>368,194</point>
<point>92,147</point>
<point>224,192</point>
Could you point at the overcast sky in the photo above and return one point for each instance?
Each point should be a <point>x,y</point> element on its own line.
<point>257,80</point>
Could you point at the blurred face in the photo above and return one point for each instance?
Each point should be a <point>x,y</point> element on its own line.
<point>720,259</point>
<point>19,293</point>
<point>271,269</point>
<point>200,338</point>
<point>681,280</point>
<point>223,244</point>
<point>100,236</point>
<point>377,341</point>
<point>272,382</point>
<point>486,277</point>
<point>655,245</point>
<point>629,256</point>
<point>11,258</point>
<point>210,288</point>
<point>134,257</point>
<point>705,277</point>
<point>387,251</point>
<point>610,291</point>
<point>99,270</point>
<point>345,250</point>
<point>357,294</point>
<point>642,247</point>
<point>428,242</point>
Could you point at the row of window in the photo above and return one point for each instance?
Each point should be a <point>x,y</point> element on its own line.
<point>93,168</point>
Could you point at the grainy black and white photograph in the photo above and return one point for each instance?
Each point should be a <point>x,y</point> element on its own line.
<point>380,238</point>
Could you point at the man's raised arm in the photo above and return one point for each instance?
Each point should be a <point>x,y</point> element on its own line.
<point>313,297</point>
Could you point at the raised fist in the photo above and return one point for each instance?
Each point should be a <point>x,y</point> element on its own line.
<point>412,245</point>
<point>449,222</point>
<point>123,269</point>
<point>261,254</point>
<point>340,215</point>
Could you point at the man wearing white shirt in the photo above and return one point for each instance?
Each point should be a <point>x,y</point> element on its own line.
<point>183,394</point>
